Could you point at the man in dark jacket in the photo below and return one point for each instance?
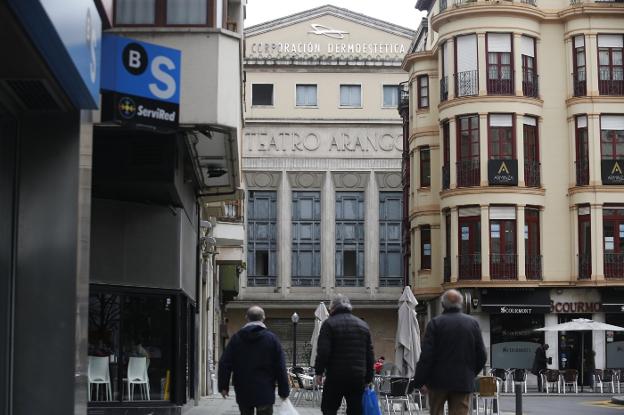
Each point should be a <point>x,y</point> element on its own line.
<point>255,356</point>
<point>345,356</point>
<point>539,364</point>
<point>452,355</point>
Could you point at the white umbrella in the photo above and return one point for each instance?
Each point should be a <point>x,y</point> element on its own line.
<point>582,325</point>
<point>321,314</point>
<point>407,345</point>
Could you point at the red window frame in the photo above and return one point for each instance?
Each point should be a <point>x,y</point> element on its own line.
<point>425,238</point>
<point>529,69</point>
<point>609,140</point>
<point>610,67</point>
<point>584,239</point>
<point>425,166</point>
<point>472,132</point>
<point>160,15</point>
<point>530,135</point>
<point>613,226</point>
<point>581,135</point>
<point>495,64</point>
<point>498,136</point>
<point>580,87</point>
<point>446,142</point>
<point>423,91</point>
<point>532,234</point>
<point>498,245</point>
<point>473,244</point>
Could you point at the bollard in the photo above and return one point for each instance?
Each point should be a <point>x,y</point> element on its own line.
<point>518,398</point>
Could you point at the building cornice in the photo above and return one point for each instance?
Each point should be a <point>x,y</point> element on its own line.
<point>460,191</point>
<point>488,98</point>
<point>324,121</point>
<point>584,9</point>
<point>594,189</point>
<point>330,61</point>
<point>595,99</point>
<point>490,8</point>
<point>412,58</point>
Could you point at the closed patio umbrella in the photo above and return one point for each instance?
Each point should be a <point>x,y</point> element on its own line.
<point>407,345</point>
<point>320,315</point>
<point>582,325</point>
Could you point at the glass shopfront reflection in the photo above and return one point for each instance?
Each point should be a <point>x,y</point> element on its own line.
<point>514,340</point>
<point>131,347</point>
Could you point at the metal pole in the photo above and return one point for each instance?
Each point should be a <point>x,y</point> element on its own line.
<point>294,344</point>
<point>518,397</point>
<point>582,361</point>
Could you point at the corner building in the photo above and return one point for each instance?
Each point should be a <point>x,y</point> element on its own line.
<point>322,172</point>
<point>516,132</point>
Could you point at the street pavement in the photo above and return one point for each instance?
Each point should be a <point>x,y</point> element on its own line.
<point>586,404</point>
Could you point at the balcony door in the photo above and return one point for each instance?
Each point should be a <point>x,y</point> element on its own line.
<point>613,233</point>
<point>468,168</point>
<point>499,64</point>
<point>532,251</point>
<point>503,242</point>
<point>529,67</point>
<point>582,151</point>
<point>610,65</point>
<point>467,74</point>
<point>584,243</point>
<point>469,243</point>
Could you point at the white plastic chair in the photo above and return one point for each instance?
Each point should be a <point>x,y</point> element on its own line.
<point>606,376</point>
<point>137,375</point>
<point>98,374</point>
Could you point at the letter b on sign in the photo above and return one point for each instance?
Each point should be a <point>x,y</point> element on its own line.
<point>135,58</point>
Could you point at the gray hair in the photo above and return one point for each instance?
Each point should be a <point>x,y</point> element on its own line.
<point>340,301</point>
<point>452,300</point>
<point>255,313</point>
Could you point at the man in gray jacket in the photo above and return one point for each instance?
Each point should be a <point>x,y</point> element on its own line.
<point>452,355</point>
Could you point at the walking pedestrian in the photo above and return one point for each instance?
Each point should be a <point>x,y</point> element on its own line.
<point>540,363</point>
<point>255,358</point>
<point>345,356</point>
<point>452,355</point>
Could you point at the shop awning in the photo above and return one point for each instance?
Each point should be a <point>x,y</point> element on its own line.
<point>515,301</point>
<point>613,300</point>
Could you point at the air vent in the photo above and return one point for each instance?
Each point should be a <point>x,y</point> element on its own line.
<point>34,94</point>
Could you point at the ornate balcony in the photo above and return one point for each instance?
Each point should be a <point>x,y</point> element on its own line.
<point>500,84</point>
<point>447,269</point>
<point>444,89</point>
<point>582,172</point>
<point>579,83</point>
<point>503,266</point>
<point>468,173</point>
<point>611,87</point>
<point>470,267</point>
<point>467,83</point>
<point>531,173</point>
<point>533,267</point>
<point>614,265</point>
<point>530,84</point>
<point>584,267</point>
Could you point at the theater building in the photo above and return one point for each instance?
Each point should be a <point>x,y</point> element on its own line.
<point>515,129</point>
<point>322,172</point>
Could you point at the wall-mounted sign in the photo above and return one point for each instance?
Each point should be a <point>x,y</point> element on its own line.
<point>575,307</point>
<point>612,171</point>
<point>503,172</point>
<point>140,83</point>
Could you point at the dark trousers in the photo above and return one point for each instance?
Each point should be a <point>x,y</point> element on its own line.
<point>333,392</point>
<point>539,383</point>
<point>260,410</point>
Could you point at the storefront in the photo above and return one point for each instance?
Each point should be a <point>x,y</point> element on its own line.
<point>613,306</point>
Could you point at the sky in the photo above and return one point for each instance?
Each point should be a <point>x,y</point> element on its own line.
<point>401,12</point>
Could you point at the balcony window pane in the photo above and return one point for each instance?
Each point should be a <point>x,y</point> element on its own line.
<point>186,12</point>
<point>135,12</point>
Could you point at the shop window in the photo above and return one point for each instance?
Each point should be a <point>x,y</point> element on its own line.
<point>262,238</point>
<point>351,96</point>
<point>390,96</point>
<point>262,94</point>
<point>132,333</point>
<point>614,339</point>
<point>425,167</point>
<point>306,95</point>
<point>349,239</point>
<point>579,75</point>
<point>499,64</point>
<point>423,91</point>
<point>306,239</point>
<point>469,243</point>
<point>506,331</point>
<point>584,243</point>
<point>390,256</point>
<point>168,12</point>
<point>468,164</point>
<point>425,247</point>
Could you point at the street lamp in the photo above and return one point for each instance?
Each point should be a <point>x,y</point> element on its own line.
<point>295,319</point>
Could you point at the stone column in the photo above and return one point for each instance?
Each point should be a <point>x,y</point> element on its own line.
<point>371,237</point>
<point>328,236</point>
<point>481,52</point>
<point>483,148</point>
<point>598,342</point>
<point>552,339</point>
<point>597,243</point>
<point>574,242</point>
<point>591,67</point>
<point>520,243</point>
<point>284,242</point>
<point>517,63</point>
<point>520,147</point>
<point>454,244</point>
<point>593,130</point>
<point>450,44</point>
<point>485,243</point>
<point>572,150</point>
<point>453,153</point>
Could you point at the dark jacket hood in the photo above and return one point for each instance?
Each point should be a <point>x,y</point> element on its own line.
<point>252,333</point>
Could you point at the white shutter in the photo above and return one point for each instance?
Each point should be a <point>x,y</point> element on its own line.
<point>445,52</point>
<point>466,53</point>
<point>581,122</point>
<point>502,212</point>
<point>579,41</point>
<point>583,211</point>
<point>469,211</point>
<point>501,120</point>
<point>610,41</point>
<point>530,121</point>
<point>499,42</point>
<point>527,46</point>
<point>612,122</point>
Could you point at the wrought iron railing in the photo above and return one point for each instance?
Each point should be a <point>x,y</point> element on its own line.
<point>611,87</point>
<point>391,281</point>
<point>582,172</point>
<point>446,177</point>
<point>503,266</point>
<point>533,267</point>
<point>614,265</point>
<point>530,84</point>
<point>466,83</point>
<point>584,267</point>
<point>447,269</point>
<point>579,83</point>
<point>532,173</point>
<point>306,281</point>
<point>500,83</point>
<point>468,173</point>
<point>261,281</point>
<point>469,266</point>
<point>349,281</point>
<point>444,89</point>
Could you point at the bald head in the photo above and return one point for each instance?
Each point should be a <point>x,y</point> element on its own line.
<point>255,313</point>
<point>452,300</point>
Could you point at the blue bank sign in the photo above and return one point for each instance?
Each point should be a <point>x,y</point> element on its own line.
<point>140,82</point>
<point>67,34</point>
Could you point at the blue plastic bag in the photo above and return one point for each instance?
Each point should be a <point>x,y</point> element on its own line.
<point>370,404</point>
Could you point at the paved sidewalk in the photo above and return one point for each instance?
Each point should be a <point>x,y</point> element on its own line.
<point>216,405</point>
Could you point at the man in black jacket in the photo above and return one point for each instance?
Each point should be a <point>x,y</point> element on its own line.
<point>345,356</point>
<point>255,356</point>
<point>452,355</point>
<point>540,363</point>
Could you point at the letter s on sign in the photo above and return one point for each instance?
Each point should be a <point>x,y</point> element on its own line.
<point>164,77</point>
